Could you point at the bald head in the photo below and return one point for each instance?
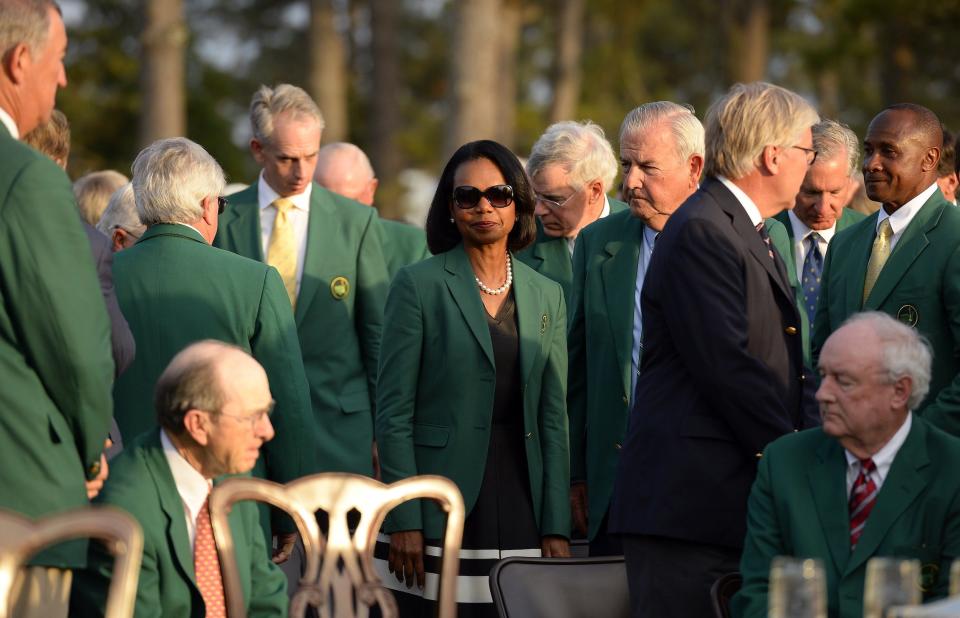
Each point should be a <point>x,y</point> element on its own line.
<point>345,169</point>
<point>901,152</point>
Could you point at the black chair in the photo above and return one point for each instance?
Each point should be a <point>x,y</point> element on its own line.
<point>560,587</point>
<point>722,591</point>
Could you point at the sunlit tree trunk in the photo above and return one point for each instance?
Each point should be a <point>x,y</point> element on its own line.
<point>567,74</point>
<point>749,40</point>
<point>327,79</point>
<point>511,20</point>
<point>386,84</point>
<point>163,45</point>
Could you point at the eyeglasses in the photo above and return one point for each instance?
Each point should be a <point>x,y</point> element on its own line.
<point>810,152</point>
<point>221,204</point>
<point>254,418</point>
<point>553,204</point>
<point>499,196</point>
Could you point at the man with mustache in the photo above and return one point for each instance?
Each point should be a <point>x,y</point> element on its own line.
<point>905,259</point>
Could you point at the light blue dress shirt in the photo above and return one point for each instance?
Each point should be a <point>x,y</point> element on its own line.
<point>643,262</point>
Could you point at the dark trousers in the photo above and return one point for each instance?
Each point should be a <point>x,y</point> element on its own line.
<point>670,578</point>
<point>604,543</point>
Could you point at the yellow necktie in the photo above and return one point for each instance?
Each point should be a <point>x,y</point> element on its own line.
<point>878,257</point>
<point>282,253</point>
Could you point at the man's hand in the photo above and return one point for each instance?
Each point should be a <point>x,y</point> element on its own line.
<point>285,544</point>
<point>579,507</point>
<point>406,557</point>
<point>94,485</point>
<point>555,547</point>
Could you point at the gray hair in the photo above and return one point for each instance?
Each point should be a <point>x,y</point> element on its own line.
<point>830,136</point>
<point>121,212</point>
<point>170,179</point>
<point>906,353</point>
<point>581,148</point>
<point>268,103</point>
<point>748,118</point>
<point>191,382</point>
<point>683,123</point>
<point>93,191</point>
<point>24,21</point>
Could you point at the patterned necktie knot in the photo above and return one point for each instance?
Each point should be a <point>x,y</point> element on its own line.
<point>762,230</point>
<point>810,277</point>
<point>282,204</point>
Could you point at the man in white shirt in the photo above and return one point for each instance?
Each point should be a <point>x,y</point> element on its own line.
<point>213,404</point>
<point>905,259</point>
<point>876,480</point>
<point>819,213</point>
<point>572,168</point>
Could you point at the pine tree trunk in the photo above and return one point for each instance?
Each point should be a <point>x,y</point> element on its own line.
<point>327,79</point>
<point>384,153</point>
<point>567,75</point>
<point>162,76</point>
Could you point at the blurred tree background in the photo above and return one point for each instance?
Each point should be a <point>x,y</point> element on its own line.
<point>410,80</point>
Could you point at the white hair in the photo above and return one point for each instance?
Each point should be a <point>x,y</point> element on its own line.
<point>170,179</point>
<point>905,352</point>
<point>580,148</point>
<point>268,103</point>
<point>121,212</point>
<point>830,138</point>
<point>25,21</point>
<point>683,123</point>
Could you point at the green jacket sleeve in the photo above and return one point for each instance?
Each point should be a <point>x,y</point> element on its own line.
<point>268,584</point>
<point>577,374</point>
<point>55,301</point>
<point>397,392</point>
<point>554,433</point>
<point>944,410</point>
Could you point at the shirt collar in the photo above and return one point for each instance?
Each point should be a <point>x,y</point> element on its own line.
<point>800,229</point>
<point>650,236</point>
<point>8,122</point>
<point>902,217</point>
<point>748,205</point>
<point>883,458</point>
<point>191,485</point>
<point>266,195</point>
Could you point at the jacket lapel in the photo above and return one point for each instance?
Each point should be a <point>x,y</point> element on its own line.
<point>460,282</point>
<point>321,237</point>
<point>828,486</point>
<point>532,320</point>
<point>171,504</point>
<point>909,247</point>
<point>242,229</point>
<point>908,477</point>
<point>619,276</point>
<point>855,263</point>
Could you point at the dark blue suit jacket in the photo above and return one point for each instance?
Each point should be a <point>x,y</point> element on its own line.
<point>721,376</point>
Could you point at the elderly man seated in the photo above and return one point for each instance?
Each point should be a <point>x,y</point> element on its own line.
<point>213,403</point>
<point>876,480</point>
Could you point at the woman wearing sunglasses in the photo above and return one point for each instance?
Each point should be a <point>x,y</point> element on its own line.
<point>472,385</point>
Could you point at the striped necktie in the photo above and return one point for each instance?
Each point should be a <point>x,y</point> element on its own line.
<point>862,498</point>
<point>206,565</point>
<point>282,253</point>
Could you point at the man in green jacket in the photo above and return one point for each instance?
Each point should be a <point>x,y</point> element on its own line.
<point>55,360</point>
<point>819,213</point>
<point>328,252</point>
<point>213,404</point>
<point>175,289</point>
<point>345,169</point>
<point>660,171</point>
<point>572,168</point>
<point>875,480</point>
<point>904,259</point>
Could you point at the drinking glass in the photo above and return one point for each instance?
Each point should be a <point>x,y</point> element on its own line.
<point>890,582</point>
<point>798,588</point>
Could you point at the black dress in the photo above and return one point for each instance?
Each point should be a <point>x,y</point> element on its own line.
<point>501,523</point>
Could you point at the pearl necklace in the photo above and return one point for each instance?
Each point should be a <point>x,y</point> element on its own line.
<point>500,290</point>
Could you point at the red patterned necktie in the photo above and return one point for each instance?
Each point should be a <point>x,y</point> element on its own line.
<point>862,498</point>
<point>206,564</point>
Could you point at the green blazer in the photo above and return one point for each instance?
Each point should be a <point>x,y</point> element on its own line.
<point>798,507</point>
<point>551,258</point>
<point>436,388</point>
<point>919,285</point>
<point>56,366</point>
<point>784,244</point>
<point>175,289</point>
<point>338,325</point>
<point>403,244</point>
<point>141,484</point>
<point>600,342</point>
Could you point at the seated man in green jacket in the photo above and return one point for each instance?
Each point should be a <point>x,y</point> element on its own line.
<point>213,404</point>
<point>875,480</point>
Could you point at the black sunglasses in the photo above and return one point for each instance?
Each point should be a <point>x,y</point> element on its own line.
<point>499,196</point>
<point>221,204</point>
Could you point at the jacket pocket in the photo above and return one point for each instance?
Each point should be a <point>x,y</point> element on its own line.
<point>430,435</point>
<point>357,401</point>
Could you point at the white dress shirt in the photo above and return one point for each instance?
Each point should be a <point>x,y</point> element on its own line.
<point>8,122</point>
<point>748,205</point>
<point>800,244</point>
<point>882,459</point>
<point>572,242</point>
<point>900,219</point>
<point>299,216</point>
<point>191,485</point>
<point>643,262</point>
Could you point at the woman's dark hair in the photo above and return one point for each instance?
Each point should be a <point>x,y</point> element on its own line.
<point>442,235</point>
